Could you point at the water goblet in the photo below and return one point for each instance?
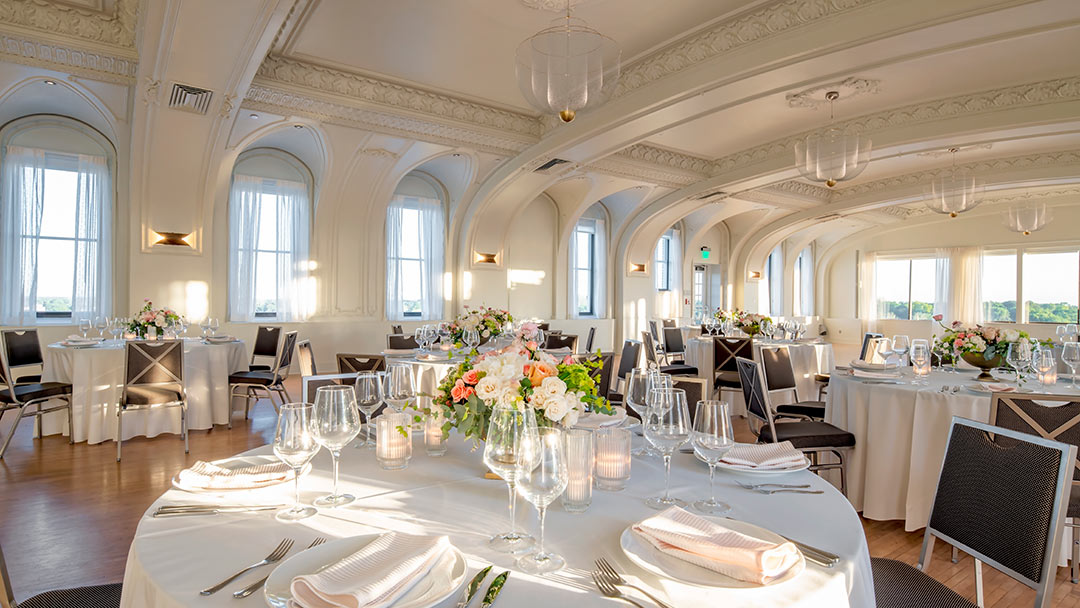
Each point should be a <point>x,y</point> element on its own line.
<point>1070,355</point>
<point>471,338</point>
<point>900,346</point>
<point>295,445</point>
<point>214,325</point>
<point>667,426</point>
<point>399,389</point>
<point>509,430</point>
<point>204,325</point>
<point>116,328</point>
<point>920,360</point>
<point>336,423</point>
<point>101,324</point>
<point>84,326</point>
<point>1071,331</point>
<point>542,476</point>
<point>369,396</point>
<point>637,392</point>
<point>1043,363</point>
<point>712,439</point>
<point>1059,331</point>
<point>1019,357</point>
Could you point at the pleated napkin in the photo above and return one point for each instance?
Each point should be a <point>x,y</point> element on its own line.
<point>211,476</point>
<point>683,535</point>
<point>373,577</point>
<point>781,455</point>
<point>861,373</point>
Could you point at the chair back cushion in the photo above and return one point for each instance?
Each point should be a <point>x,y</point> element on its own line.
<point>396,329</point>
<point>727,350</point>
<point>628,360</point>
<point>696,390</point>
<point>154,362</point>
<point>867,338</point>
<point>400,341</point>
<point>284,357</point>
<point>669,323</point>
<point>673,340</point>
<point>653,332</point>
<point>779,375</point>
<point>753,394</point>
<point>352,364</point>
<point>553,341</point>
<point>650,348</point>
<point>266,341</point>
<point>305,356</point>
<point>589,340</point>
<point>22,347</point>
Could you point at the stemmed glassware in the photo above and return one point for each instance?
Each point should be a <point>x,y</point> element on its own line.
<point>101,324</point>
<point>637,393</point>
<point>84,326</point>
<point>900,346</point>
<point>204,325</point>
<point>920,359</point>
<point>1059,331</point>
<point>767,329</point>
<point>712,439</point>
<point>369,395</point>
<point>1043,363</point>
<point>399,386</point>
<point>1071,331</point>
<point>444,334</point>
<point>542,476</point>
<point>213,325</point>
<point>337,421</point>
<point>116,327</point>
<point>667,426</point>
<point>471,337</point>
<point>510,430</point>
<point>295,445</point>
<point>1019,357</point>
<point>1070,355</point>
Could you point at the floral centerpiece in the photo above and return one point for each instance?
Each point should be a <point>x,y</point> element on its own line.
<point>521,374</point>
<point>489,322</point>
<point>148,316</point>
<point>748,322</point>
<point>984,347</point>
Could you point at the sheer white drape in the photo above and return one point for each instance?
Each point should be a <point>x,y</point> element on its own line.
<point>244,201</point>
<point>600,269</point>
<point>868,290</point>
<point>806,282</point>
<point>597,228</point>
<point>965,291</point>
<point>431,247</point>
<point>942,289</point>
<point>295,294</point>
<point>21,215</point>
<point>775,262</point>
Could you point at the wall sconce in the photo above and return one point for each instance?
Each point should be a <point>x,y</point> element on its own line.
<point>637,267</point>
<point>483,258</point>
<point>172,238</point>
<point>755,275</point>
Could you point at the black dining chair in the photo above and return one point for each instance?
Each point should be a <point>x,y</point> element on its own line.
<point>673,344</point>
<point>589,339</point>
<point>267,339</point>
<point>401,342</point>
<point>349,363</point>
<point>678,369</point>
<point>867,338</point>
<point>396,329</point>
<point>250,385</point>
<point>23,349</point>
<point>153,379</point>
<point>32,400</point>
<point>1001,497</point>
<point>558,341</point>
<point>726,352</point>
<point>628,361</point>
<point>94,596</point>
<point>668,322</point>
<point>780,378</point>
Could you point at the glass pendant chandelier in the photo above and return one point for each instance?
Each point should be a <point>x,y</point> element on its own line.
<point>567,67</point>
<point>955,191</point>
<point>834,154</point>
<point>1026,218</point>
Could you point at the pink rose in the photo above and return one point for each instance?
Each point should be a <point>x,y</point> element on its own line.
<point>532,345</point>
<point>458,391</point>
<point>471,377</point>
<point>938,317</point>
<point>958,343</point>
<point>568,360</point>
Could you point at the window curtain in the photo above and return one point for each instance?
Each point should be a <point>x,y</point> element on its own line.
<point>295,293</point>
<point>868,290</point>
<point>432,253</point>
<point>806,280</point>
<point>243,237</point>
<point>92,293</point>
<point>965,290</point>
<point>599,271</point>
<point>942,290</point>
<point>776,282</point>
<point>20,214</point>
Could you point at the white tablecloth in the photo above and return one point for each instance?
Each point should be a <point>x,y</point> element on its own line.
<point>172,558</point>
<point>807,359</point>
<point>97,378</point>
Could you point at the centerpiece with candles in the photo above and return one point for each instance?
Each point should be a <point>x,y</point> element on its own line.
<point>150,320</point>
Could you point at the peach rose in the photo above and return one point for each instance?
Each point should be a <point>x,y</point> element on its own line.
<point>538,370</point>
<point>568,360</point>
<point>458,392</point>
<point>471,377</point>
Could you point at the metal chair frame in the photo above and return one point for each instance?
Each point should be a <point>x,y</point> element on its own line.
<point>866,339</point>
<point>556,341</point>
<point>730,349</point>
<point>35,360</point>
<point>167,346</point>
<point>589,340</point>
<point>310,384</point>
<point>305,357</point>
<point>405,339</point>
<point>251,390</point>
<point>350,363</point>
<point>33,408</point>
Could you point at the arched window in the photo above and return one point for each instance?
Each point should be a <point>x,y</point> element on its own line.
<point>772,284</point>
<point>803,296</point>
<point>56,221</point>
<point>588,260</point>
<point>269,237</point>
<point>415,244</point>
<point>667,261</point>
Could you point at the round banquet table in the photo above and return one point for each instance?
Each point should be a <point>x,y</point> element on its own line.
<point>170,559</point>
<point>97,377</point>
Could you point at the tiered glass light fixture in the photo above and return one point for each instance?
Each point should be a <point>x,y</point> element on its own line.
<point>834,154</point>
<point>955,191</point>
<point>567,67</point>
<point>1026,218</point>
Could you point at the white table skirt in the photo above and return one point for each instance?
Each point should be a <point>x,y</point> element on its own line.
<point>807,359</point>
<point>172,558</point>
<point>97,378</point>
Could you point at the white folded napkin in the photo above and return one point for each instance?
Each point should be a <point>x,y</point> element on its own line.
<point>211,476</point>
<point>373,577</point>
<point>861,373</point>
<point>595,420</point>
<point>781,455</point>
<point>225,338</point>
<point>683,535</point>
<point>564,350</point>
<point>861,364</point>
<point>399,351</point>
<point>432,357</point>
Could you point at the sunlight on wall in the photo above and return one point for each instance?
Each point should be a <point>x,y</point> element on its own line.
<point>466,285</point>
<point>641,318</point>
<point>308,293</point>
<point>517,276</point>
<point>196,298</point>
<point>448,286</point>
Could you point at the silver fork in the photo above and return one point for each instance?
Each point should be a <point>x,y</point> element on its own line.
<point>253,587</point>
<point>275,555</point>
<point>758,486</point>
<point>790,490</point>
<point>606,572</point>
<point>610,590</point>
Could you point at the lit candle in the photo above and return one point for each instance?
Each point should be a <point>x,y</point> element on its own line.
<point>612,468</point>
<point>393,440</point>
<point>579,466</point>
<point>434,439</point>
<point>921,369</point>
<point>1048,378</point>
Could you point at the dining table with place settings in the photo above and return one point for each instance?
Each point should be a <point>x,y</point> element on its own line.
<point>96,373</point>
<point>450,496</point>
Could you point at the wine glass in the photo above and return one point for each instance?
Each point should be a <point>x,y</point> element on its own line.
<point>369,395</point>
<point>471,338</point>
<point>542,476</point>
<point>667,426</point>
<point>637,392</point>
<point>712,438</point>
<point>508,429</point>
<point>116,328</point>
<point>1070,355</point>
<point>1071,330</point>
<point>901,344</point>
<point>1060,332</point>
<point>1043,362</point>
<point>213,325</point>
<point>101,324</point>
<point>767,329</point>
<point>444,334</point>
<point>1019,357</point>
<point>399,386</point>
<point>295,445</point>
<point>337,421</point>
<point>84,326</point>
<point>204,325</point>
<point>920,358</point>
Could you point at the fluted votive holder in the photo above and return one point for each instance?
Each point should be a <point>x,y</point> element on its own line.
<point>393,440</point>
<point>580,457</point>
<point>612,458</point>
<point>1048,378</point>
<point>434,438</point>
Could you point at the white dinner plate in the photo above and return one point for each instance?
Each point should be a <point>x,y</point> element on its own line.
<point>874,367</point>
<point>982,388</point>
<point>666,566</point>
<point>235,463</point>
<point>599,421</point>
<point>762,472</point>
<point>444,579</point>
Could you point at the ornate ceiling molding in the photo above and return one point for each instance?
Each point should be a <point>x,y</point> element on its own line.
<point>1035,93</point>
<point>804,190</point>
<point>849,87</point>
<point>957,149</point>
<point>117,29</point>
<point>558,6</point>
<point>753,26</point>
<point>277,70</point>
<point>80,62</point>
<point>913,211</point>
<point>656,155</point>
<point>617,165</point>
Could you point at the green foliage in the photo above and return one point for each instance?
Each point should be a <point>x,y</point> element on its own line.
<point>54,304</point>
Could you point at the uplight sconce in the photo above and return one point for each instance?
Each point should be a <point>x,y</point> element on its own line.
<point>484,258</point>
<point>172,238</point>
<point>637,267</point>
<point>755,275</point>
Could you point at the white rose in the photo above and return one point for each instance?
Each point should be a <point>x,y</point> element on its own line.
<point>555,407</point>
<point>486,334</point>
<point>488,388</point>
<point>571,417</point>
<point>552,386</point>
<point>1011,335</point>
<point>509,397</point>
<point>159,320</point>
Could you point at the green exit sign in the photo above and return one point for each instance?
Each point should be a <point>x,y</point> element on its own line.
<point>705,253</point>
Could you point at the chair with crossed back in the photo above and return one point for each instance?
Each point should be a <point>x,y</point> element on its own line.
<point>396,329</point>
<point>153,378</point>
<point>356,364</point>
<point>23,349</point>
<point>725,368</point>
<point>266,345</point>
<point>544,327</point>
<point>679,369</point>
<point>780,378</point>
<point>811,437</point>
<point>305,358</point>
<point>250,385</point>
<point>32,399</point>
<point>95,596</point>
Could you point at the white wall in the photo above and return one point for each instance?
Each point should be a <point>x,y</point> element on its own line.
<point>530,266</point>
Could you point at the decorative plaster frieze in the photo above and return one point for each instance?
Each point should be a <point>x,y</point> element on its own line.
<point>746,28</point>
<point>957,149</point>
<point>920,210</point>
<point>668,158</point>
<point>804,190</point>
<point>849,87</point>
<point>281,70</point>
<point>103,66</point>
<point>557,6</point>
<point>616,165</point>
<point>380,153</point>
<point>228,103</point>
<point>117,29</point>
<point>150,91</point>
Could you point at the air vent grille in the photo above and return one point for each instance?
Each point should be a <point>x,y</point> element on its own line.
<point>189,98</point>
<point>555,162</point>
<point>708,195</point>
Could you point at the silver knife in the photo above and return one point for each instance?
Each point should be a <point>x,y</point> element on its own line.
<point>493,590</point>
<point>470,589</point>
<point>212,511</point>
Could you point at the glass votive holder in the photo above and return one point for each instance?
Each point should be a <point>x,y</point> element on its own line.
<point>393,440</point>
<point>1048,378</point>
<point>434,438</point>
<point>579,467</point>
<point>612,468</point>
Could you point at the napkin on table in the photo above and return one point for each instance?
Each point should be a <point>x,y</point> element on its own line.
<point>373,577</point>
<point>781,455</point>
<point>209,475</point>
<point>860,373</point>
<point>399,351</point>
<point>683,535</point>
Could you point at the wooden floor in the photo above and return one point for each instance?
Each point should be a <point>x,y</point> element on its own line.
<point>68,512</point>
